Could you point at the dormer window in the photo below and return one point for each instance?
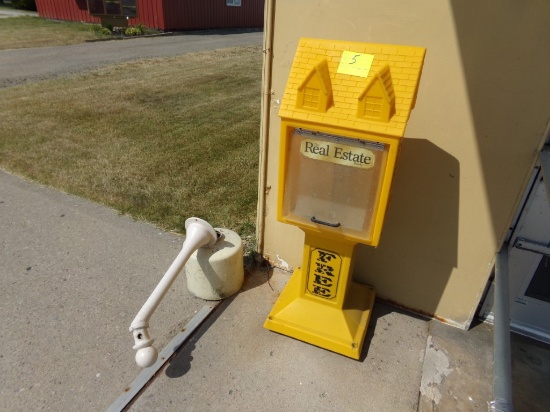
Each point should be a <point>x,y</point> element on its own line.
<point>315,92</point>
<point>377,102</point>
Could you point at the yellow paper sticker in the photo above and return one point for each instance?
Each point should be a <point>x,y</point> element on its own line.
<point>355,64</point>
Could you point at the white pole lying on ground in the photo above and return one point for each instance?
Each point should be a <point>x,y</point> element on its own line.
<point>198,233</point>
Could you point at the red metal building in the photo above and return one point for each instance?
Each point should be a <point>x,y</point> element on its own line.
<point>168,14</point>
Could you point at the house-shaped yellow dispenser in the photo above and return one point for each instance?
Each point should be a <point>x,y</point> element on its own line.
<point>343,115</point>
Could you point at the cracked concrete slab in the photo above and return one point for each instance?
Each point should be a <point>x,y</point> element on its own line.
<point>74,274</point>
<point>457,374</point>
<point>234,364</point>
<point>435,370</point>
<point>530,374</point>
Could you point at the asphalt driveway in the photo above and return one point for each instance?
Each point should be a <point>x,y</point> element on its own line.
<point>27,65</point>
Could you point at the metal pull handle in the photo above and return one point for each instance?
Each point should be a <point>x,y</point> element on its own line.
<point>324,223</point>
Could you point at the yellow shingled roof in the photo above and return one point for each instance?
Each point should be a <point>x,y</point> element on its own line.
<point>405,63</point>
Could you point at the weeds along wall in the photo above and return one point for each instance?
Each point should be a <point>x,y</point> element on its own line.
<point>469,147</point>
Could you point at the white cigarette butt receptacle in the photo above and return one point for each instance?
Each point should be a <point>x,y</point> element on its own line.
<point>216,272</point>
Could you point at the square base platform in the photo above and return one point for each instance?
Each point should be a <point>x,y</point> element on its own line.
<point>321,323</point>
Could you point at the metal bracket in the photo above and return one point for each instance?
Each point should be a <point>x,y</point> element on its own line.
<point>525,244</point>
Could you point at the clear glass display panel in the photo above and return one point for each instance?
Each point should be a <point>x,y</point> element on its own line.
<point>333,181</point>
<point>129,8</point>
<point>126,8</point>
<point>539,288</point>
<point>96,6</point>
<point>113,7</point>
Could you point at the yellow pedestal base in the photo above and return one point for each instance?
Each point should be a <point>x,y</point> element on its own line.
<point>307,318</point>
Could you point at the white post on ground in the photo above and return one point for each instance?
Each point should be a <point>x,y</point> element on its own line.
<point>198,233</point>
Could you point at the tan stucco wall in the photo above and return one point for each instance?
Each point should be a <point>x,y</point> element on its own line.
<point>470,145</point>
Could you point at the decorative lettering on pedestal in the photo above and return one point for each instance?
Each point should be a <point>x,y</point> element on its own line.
<point>324,273</point>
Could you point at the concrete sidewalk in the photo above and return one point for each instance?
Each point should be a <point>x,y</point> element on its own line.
<point>72,278</point>
<point>74,274</point>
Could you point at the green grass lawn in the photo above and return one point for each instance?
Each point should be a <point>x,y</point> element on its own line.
<point>26,31</point>
<point>160,140</point>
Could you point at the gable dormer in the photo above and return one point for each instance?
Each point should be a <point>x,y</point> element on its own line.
<point>377,101</point>
<point>315,92</point>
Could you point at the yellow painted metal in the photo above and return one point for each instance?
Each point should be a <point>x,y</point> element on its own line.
<point>402,80</point>
<point>343,115</point>
<point>346,106</point>
<point>320,304</point>
<point>372,237</point>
